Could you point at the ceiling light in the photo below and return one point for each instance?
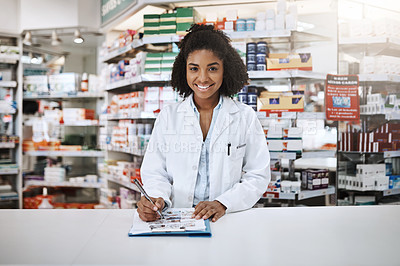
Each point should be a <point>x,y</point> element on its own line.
<point>78,37</point>
<point>54,39</point>
<point>28,38</point>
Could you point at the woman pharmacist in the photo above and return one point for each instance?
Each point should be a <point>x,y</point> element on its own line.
<point>207,151</point>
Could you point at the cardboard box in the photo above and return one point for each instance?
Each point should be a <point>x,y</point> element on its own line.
<point>277,102</point>
<point>301,61</point>
<point>313,180</point>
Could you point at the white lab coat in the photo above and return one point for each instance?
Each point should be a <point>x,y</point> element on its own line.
<point>170,165</point>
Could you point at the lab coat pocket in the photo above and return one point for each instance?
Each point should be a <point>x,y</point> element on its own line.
<point>240,151</point>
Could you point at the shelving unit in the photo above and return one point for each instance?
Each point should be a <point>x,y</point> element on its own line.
<point>66,153</point>
<point>378,81</point>
<point>11,86</point>
<point>78,163</point>
<point>37,183</point>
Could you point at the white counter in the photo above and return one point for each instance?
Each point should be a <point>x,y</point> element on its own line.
<point>271,236</point>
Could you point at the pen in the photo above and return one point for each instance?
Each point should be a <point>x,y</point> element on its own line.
<point>137,183</point>
<point>229,148</point>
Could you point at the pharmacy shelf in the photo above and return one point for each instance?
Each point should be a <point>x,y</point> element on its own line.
<point>8,84</point>
<point>82,123</point>
<point>150,78</point>
<point>279,195</point>
<point>386,154</point>
<point>39,183</point>
<point>391,154</point>
<point>282,155</point>
<point>313,163</point>
<point>8,171</point>
<point>130,50</point>
<point>130,151</point>
<point>9,58</point>
<point>66,153</point>
<point>79,95</point>
<point>122,183</point>
<point>390,192</point>
<point>291,115</point>
<point>142,115</point>
<point>6,196</point>
<point>319,154</point>
<point>7,145</point>
<point>379,78</point>
<point>284,74</point>
<point>237,35</point>
<point>157,39</point>
<point>11,112</point>
<point>376,45</point>
<point>306,194</point>
<point>123,52</point>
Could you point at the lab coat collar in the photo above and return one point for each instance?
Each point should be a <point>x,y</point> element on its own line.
<point>228,105</point>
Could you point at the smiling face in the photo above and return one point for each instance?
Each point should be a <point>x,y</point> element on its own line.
<point>204,75</point>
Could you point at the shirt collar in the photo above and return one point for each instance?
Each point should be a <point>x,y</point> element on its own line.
<point>219,105</point>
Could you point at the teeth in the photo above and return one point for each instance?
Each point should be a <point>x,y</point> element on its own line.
<point>201,87</point>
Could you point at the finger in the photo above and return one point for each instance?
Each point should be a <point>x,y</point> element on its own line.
<point>159,202</point>
<point>208,214</point>
<point>145,209</point>
<point>198,208</point>
<point>203,212</point>
<point>217,216</point>
<point>148,204</point>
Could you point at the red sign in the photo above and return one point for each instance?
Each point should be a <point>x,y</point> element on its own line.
<point>342,102</point>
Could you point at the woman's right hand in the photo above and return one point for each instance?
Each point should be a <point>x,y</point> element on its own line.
<point>147,211</point>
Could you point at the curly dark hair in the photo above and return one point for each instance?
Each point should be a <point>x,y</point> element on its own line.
<point>205,37</point>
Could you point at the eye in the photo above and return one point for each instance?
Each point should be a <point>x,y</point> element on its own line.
<point>213,69</point>
<point>193,68</point>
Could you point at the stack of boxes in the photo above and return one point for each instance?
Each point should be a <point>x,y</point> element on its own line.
<point>159,63</point>
<point>185,17</point>
<point>130,137</point>
<point>381,104</point>
<point>384,138</point>
<point>71,115</point>
<point>284,139</point>
<point>156,98</point>
<point>10,52</point>
<point>151,24</point>
<point>381,64</point>
<point>315,179</point>
<point>54,174</point>
<point>127,69</point>
<point>368,177</point>
<point>169,23</point>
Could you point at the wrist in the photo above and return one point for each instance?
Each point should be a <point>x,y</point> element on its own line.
<point>223,206</point>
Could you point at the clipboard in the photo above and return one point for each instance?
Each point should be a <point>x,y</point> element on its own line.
<point>142,229</point>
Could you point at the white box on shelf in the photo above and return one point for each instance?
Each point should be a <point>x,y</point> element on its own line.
<point>371,169</point>
<point>349,182</point>
<point>63,83</point>
<point>381,183</point>
<point>36,84</point>
<point>367,183</point>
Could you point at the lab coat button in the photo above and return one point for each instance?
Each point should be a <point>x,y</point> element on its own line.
<point>194,167</point>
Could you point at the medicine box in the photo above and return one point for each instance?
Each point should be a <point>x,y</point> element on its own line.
<point>301,61</point>
<point>281,102</point>
<point>371,169</point>
<point>313,180</point>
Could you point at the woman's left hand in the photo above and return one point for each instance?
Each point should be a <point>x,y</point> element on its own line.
<point>206,209</point>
